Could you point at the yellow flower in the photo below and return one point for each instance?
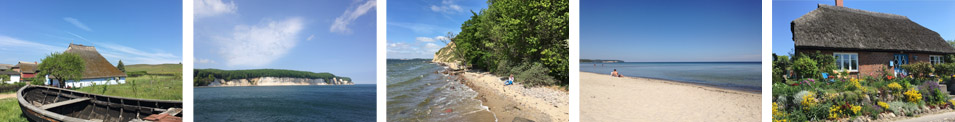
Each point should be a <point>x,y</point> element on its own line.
<point>774,108</point>
<point>809,100</point>
<point>913,96</point>
<point>856,109</point>
<point>895,86</point>
<point>884,105</point>
<point>834,112</point>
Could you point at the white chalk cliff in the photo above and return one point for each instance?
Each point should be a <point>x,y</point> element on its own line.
<point>278,81</point>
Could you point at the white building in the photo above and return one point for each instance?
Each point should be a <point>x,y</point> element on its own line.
<point>98,70</point>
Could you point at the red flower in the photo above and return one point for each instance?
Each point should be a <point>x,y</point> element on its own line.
<point>795,84</point>
<point>889,77</point>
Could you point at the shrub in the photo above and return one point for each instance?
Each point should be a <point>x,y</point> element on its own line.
<point>533,74</point>
<point>920,69</point>
<point>781,64</point>
<point>913,96</point>
<point>805,67</point>
<point>854,85</point>
<point>945,69</point>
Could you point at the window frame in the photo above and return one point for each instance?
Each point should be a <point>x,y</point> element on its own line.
<point>849,56</point>
<point>935,59</point>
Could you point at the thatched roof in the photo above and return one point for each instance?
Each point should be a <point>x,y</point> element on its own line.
<point>27,67</point>
<point>5,66</point>
<point>96,65</point>
<point>835,27</point>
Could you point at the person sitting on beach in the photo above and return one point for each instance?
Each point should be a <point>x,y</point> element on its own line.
<point>510,80</point>
<point>615,74</point>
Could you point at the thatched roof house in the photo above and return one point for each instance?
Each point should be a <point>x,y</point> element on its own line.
<point>26,69</point>
<point>96,65</point>
<point>98,69</point>
<point>835,27</point>
<point>865,41</point>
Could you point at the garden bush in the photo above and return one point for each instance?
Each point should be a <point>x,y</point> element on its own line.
<point>920,69</point>
<point>805,67</point>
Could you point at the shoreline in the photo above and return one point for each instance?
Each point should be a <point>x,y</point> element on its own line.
<point>516,103</point>
<point>731,88</point>
<point>606,98</point>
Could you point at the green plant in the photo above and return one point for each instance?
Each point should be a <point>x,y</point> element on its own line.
<point>913,95</point>
<point>62,66</point>
<point>805,67</point>
<point>920,69</point>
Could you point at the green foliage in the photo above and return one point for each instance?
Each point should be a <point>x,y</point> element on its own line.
<point>825,62</point>
<point>136,73</point>
<point>243,74</point>
<point>920,69</point>
<point>4,78</point>
<point>510,33</point>
<point>532,75</point>
<point>62,66</point>
<point>945,69</point>
<point>781,65</point>
<point>120,66</point>
<point>805,67</point>
<point>10,111</point>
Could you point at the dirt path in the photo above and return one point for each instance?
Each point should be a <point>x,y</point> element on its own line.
<point>10,95</point>
<point>943,117</point>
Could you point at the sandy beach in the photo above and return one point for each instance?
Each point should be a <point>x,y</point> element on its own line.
<point>606,98</point>
<point>515,102</point>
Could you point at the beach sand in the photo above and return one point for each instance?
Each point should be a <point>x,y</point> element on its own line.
<point>515,102</point>
<point>605,98</point>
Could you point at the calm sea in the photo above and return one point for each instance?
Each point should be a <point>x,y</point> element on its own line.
<point>734,75</point>
<point>286,103</point>
<point>417,93</point>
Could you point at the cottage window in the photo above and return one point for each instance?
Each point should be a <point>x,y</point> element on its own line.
<point>935,59</point>
<point>847,61</point>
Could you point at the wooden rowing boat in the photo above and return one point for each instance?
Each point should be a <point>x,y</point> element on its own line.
<point>49,104</point>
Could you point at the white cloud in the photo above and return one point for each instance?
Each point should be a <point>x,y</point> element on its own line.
<point>341,23</point>
<point>424,39</point>
<point>206,8</point>
<point>429,39</point>
<point>261,44</point>
<point>206,61</point>
<point>420,28</point>
<point>11,45</point>
<point>310,37</point>
<point>405,50</point>
<point>132,55</point>
<point>447,6</point>
<point>77,23</point>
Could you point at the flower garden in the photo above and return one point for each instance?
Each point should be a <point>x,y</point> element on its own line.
<point>801,92</point>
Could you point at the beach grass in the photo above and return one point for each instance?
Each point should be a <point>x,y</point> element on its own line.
<point>10,111</point>
<point>145,87</point>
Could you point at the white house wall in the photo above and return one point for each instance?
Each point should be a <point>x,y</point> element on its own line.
<point>90,82</point>
<point>13,79</point>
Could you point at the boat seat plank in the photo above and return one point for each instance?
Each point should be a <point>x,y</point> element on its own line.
<point>58,104</point>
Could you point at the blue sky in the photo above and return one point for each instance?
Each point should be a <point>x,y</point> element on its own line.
<point>416,27</point>
<point>335,36</point>
<point>937,15</point>
<point>136,32</point>
<point>670,31</point>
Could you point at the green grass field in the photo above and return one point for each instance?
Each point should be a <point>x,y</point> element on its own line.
<point>146,87</point>
<point>155,68</point>
<point>10,111</point>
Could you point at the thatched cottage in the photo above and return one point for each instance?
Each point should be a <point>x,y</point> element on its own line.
<point>98,70</point>
<point>25,70</point>
<point>864,41</point>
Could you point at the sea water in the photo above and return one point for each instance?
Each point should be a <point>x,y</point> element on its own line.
<point>418,92</point>
<point>744,76</point>
<point>286,103</point>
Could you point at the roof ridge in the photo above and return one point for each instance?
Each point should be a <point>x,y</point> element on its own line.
<point>864,12</point>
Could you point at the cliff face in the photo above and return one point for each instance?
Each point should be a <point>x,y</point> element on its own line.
<point>278,81</point>
<point>445,56</point>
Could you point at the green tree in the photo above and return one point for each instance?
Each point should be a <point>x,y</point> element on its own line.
<point>518,34</point>
<point>805,67</point>
<point>62,66</point>
<point>120,66</point>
